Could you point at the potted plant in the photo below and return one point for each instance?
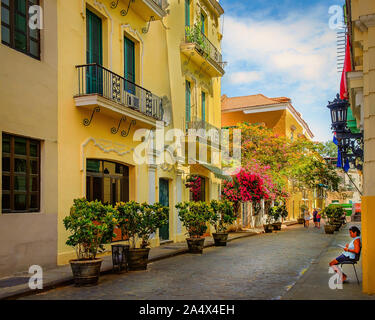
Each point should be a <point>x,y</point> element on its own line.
<point>277,212</point>
<point>332,213</point>
<point>194,216</point>
<point>268,227</point>
<point>301,219</point>
<point>223,216</point>
<point>91,225</point>
<point>141,221</point>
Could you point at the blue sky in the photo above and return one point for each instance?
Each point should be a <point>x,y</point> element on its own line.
<point>283,48</point>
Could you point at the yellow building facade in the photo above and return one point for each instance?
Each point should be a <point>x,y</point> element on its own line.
<point>279,115</point>
<point>361,83</point>
<point>106,74</point>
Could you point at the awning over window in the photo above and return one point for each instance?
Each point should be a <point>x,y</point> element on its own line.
<point>217,172</point>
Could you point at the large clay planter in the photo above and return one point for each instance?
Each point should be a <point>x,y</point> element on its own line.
<point>337,225</point>
<point>220,239</point>
<point>329,229</point>
<point>276,226</point>
<point>195,245</point>
<point>86,272</point>
<point>301,220</point>
<point>268,228</point>
<point>138,259</point>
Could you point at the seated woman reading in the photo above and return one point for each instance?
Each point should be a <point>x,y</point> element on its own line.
<point>350,251</point>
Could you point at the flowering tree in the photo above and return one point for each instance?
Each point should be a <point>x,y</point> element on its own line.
<point>246,186</point>
<point>194,183</point>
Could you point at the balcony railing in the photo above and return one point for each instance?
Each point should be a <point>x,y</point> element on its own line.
<point>95,79</point>
<point>204,129</point>
<point>196,36</point>
<point>159,3</point>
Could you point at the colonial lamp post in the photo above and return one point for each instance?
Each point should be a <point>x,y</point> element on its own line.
<point>350,144</point>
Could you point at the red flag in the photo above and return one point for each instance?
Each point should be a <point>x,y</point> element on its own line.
<point>344,95</point>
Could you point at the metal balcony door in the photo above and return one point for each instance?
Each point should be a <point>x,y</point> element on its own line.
<point>94,53</point>
<point>129,65</point>
<point>164,200</point>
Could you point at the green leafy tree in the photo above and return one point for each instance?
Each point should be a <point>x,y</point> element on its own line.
<point>223,215</point>
<point>91,225</point>
<point>194,217</point>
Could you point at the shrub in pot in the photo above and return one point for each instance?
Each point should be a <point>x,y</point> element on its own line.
<point>91,225</point>
<point>223,216</point>
<point>194,217</point>
<point>268,227</point>
<point>332,213</point>
<point>279,211</point>
<point>140,222</point>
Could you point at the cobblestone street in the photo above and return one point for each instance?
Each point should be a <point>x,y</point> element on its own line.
<point>259,267</point>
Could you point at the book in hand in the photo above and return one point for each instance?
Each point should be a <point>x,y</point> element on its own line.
<point>341,246</point>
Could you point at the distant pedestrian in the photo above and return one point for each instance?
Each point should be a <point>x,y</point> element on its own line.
<point>318,217</point>
<point>315,212</point>
<point>307,219</point>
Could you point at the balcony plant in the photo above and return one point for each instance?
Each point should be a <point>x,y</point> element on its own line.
<point>195,35</point>
<point>194,216</point>
<point>91,225</point>
<point>140,221</point>
<point>222,217</point>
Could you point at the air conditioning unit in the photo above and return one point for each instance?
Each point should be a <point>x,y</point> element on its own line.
<point>132,100</point>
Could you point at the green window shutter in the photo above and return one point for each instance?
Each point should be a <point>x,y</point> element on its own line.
<point>129,64</point>
<point>203,105</point>
<point>94,42</point>
<point>187,13</point>
<point>187,101</point>
<point>129,59</point>
<point>202,22</point>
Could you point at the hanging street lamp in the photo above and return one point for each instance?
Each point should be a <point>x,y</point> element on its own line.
<point>350,144</point>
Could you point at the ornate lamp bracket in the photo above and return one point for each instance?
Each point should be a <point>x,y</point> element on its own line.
<point>145,30</point>
<point>123,12</point>
<point>114,130</point>
<point>126,133</point>
<point>87,122</point>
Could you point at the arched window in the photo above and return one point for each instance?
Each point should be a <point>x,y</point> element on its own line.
<point>107,181</point>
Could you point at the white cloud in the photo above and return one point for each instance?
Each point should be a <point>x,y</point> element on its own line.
<point>294,57</point>
<point>245,77</point>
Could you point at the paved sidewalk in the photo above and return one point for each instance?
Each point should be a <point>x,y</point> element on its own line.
<point>314,284</point>
<point>17,285</point>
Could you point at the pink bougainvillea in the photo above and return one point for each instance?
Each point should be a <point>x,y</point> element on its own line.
<point>194,183</point>
<point>252,183</point>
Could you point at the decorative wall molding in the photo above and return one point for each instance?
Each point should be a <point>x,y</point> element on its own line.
<point>104,145</point>
<point>128,28</point>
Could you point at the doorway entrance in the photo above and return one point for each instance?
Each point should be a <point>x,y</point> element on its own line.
<point>164,200</point>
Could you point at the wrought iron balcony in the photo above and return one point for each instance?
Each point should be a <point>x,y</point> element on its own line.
<point>205,47</point>
<point>94,79</point>
<point>204,129</point>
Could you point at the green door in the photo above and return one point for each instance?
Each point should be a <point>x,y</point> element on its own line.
<point>164,200</point>
<point>187,103</point>
<point>203,102</point>
<point>129,65</point>
<point>94,52</point>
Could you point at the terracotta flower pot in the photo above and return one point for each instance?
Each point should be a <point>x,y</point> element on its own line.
<point>220,239</point>
<point>138,259</point>
<point>268,228</point>
<point>86,272</point>
<point>276,226</point>
<point>329,229</point>
<point>195,245</point>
